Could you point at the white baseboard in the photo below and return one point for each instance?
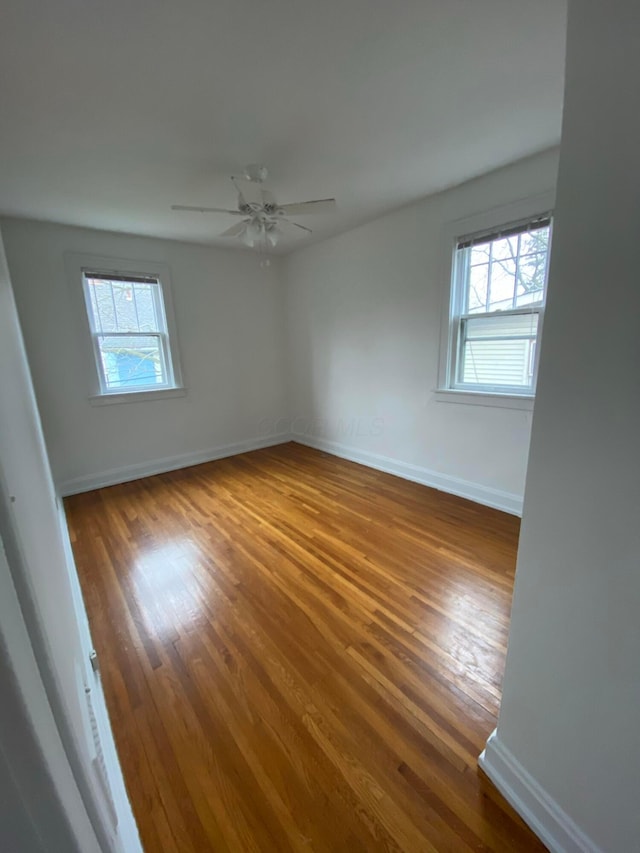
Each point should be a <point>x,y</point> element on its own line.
<point>158,466</point>
<point>506,501</point>
<point>540,811</point>
<point>463,488</point>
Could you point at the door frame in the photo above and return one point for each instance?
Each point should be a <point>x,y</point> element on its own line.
<point>94,799</point>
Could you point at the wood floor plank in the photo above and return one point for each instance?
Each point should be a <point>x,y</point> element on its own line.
<point>300,653</point>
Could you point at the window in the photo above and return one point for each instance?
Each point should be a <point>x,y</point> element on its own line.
<point>129,332</point>
<point>498,290</point>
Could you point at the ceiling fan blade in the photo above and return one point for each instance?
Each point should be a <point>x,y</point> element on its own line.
<point>295,225</point>
<point>319,205</point>
<point>235,230</point>
<point>206,209</point>
<point>304,227</point>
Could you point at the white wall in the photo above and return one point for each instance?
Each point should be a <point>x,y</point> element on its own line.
<point>570,715</point>
<point>362,316</point>
<point>229,314</point>
<point>50,610</point>
<point>40,804</point>
<point>364,325</point>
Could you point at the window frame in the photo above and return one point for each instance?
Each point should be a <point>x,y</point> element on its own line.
<point>489,222</point>
<point>79,267</point>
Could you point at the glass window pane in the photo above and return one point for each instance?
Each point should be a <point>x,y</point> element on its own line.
<point>131,361</point>
<point>508,325</point>
<point>498,351</point>
<point>94,308</point>
<point>477,289</point>
<point>124,306</point>
<point>499,363</point>
<point>502,284</point>
<point>101,298</point>
<point>505,248</point>
<point>532,271</point>
<point>480,253</point>
<point>536,240</point>
<point>146,305</point>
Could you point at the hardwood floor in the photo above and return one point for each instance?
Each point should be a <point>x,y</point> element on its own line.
<point>300,653</point>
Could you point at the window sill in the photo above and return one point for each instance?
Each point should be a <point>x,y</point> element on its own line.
<point>481,398</point>
<point>136,396</point>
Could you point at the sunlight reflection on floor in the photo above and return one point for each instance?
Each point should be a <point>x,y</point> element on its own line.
<point>167,586</point>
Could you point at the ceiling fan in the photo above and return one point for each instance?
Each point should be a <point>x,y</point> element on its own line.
<point>262,217</point>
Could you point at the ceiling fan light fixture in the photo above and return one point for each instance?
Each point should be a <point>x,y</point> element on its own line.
<point>252,233</point>
<point>273,235</point>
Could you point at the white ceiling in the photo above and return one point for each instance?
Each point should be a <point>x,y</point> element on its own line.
<point>112,110</point>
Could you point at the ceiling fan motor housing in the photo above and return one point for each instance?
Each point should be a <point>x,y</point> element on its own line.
<point>256,173</point>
